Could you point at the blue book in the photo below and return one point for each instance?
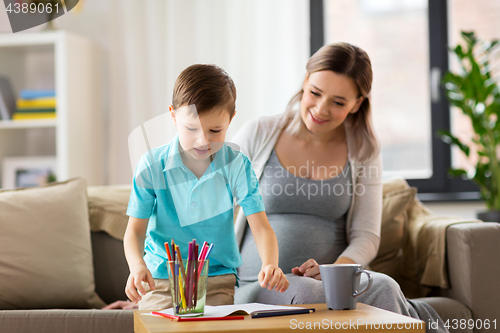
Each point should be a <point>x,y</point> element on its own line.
<point>32,94</point>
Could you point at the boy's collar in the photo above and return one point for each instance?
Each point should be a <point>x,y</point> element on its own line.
<point>219,159</point>
<point>174,159</point>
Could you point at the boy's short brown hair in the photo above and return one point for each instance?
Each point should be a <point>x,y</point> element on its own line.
<point>206,87</point>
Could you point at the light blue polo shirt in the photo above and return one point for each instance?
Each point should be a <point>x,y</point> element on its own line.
<point>183,207</point>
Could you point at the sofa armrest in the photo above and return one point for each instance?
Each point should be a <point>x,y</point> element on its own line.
<point>473,255</point>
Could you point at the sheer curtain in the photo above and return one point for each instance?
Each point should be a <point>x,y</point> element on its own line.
<point>263,45</point>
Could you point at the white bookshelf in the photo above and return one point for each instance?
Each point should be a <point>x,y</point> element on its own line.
<point>69,64</point>
<point>28,123</point>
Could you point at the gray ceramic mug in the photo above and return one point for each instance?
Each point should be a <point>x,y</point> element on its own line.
<point>341,284</point>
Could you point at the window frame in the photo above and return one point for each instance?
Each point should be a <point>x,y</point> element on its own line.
<point>439,187</point>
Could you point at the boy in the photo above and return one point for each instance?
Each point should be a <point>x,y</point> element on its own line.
<point>185,190</point>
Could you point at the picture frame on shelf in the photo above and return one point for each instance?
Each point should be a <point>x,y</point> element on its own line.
<point>28,171</point>
<point>7,99</point>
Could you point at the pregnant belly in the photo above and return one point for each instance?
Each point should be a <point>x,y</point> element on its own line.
<point>300,237</point>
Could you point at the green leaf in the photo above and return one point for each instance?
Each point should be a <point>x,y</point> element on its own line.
<point>476,83</point>
<point>493,43</point>
<point>476,92</point>
<point>489,88</point>
<point>475,140</point>
<point>459,52</point>
<point>457,80</point>
<point>469,38</point>
<point>482,154</point>
<point>480,175</point>
<point>478,126</point>
<point>455,173</point>
<point>449,138</point>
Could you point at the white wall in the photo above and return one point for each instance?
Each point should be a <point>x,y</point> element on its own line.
<point>263,45</point>
<point>99,21</point>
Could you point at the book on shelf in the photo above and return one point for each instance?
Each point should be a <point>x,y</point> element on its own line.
<point>7,99</point>
<point>37,103</point>
<point>32,94</point>
<point>40,106</point>
<point>33,115</point>
<point>40,110</point>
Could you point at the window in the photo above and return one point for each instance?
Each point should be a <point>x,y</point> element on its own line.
<point>394,34</point>
<point>407,41</point>
<point>481,16</point>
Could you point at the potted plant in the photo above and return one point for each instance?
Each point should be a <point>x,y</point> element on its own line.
<point>475,91</point>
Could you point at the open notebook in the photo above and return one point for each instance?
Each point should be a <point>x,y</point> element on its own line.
<point>254,309</point>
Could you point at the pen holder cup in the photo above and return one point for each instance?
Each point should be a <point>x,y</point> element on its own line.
<point>188,286</point>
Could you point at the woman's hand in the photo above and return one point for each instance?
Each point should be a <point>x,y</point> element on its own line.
<point>310,268</point>
<point>134,288</point>
<point>272,277</point>
<point>125,305</point>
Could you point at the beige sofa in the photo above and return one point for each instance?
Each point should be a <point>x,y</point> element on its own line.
<point>62,255</point>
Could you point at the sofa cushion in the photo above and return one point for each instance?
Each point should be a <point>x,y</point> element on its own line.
<point>108,209</point>
<point>397,196</point>
<point>46,256</point>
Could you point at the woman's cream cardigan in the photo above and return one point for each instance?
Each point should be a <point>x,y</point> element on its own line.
<point>256,140</point>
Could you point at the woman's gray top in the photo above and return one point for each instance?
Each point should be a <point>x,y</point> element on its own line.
<point>307,222</point>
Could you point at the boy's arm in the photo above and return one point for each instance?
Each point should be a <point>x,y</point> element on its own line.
<point>133,243</point>
<point>270,274</point>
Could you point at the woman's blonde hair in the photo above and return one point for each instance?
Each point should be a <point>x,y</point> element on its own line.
<point>353,62</point>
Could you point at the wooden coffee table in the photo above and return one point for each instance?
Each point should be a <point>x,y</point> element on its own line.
<point>362,320</point>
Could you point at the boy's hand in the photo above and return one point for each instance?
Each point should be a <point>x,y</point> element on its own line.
<point>273,277</point>
<point>134,288</point>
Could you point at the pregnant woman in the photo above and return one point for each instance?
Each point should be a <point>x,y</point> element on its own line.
<point>320,174</point>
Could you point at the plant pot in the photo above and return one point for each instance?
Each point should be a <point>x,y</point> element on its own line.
<point>489,216</point>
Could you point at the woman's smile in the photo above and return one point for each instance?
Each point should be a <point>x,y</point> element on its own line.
<point>317,119</point>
